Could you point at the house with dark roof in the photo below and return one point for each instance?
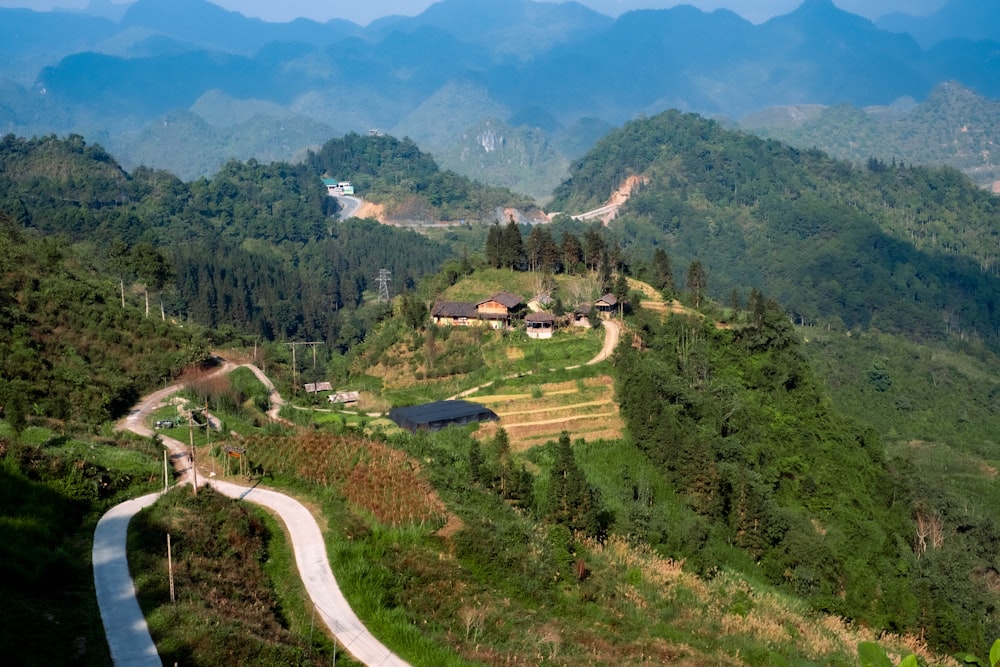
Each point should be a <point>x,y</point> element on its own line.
<point>499,309</point>
<point>454,313</point>
<point>540,324</point>
<point>607,305</point>
<point>495,311</point>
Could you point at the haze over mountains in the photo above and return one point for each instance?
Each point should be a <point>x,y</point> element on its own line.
<point>506,91</point>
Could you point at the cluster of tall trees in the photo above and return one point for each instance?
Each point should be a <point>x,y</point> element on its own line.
<point>737,423</point>
<point>507,248</point>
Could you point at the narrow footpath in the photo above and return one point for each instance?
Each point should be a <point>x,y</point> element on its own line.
<point>612,331</point>
<point>126,628</point>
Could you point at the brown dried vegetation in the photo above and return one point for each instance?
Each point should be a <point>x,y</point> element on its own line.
<point>374,477</point>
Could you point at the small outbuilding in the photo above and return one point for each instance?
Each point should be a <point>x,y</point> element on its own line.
<point>540,325</point>
<point>581,316</point>
<point>436,416</point>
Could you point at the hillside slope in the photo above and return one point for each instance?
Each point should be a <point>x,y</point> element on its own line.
<point>884,246</point>
<point>954,126</point>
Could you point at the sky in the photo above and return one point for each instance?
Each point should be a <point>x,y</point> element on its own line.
<point>364,11</point>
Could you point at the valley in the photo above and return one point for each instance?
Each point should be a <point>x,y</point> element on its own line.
<point>725,296</point>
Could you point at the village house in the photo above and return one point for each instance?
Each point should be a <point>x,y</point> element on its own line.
<point>540,325</point>
<point>496,311</point>
<point>499,309</point>
<point>454,313</point>
<point>607,306</point>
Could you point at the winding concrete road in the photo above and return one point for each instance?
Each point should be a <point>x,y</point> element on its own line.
<point>126,628</point>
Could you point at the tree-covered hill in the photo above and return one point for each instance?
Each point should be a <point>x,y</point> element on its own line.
<point>397,172</point>
<point>70,350</point>
<point>254,247</point>
<point>761,459</point>
<point>954,126</point>
<point>886,246</point>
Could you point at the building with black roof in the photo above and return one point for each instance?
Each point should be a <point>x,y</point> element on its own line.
<point>436,416</point>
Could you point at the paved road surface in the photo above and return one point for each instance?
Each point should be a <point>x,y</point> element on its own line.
<point>348,206</point>
<point>314,569</point>
<point>125,627</point>
<point>124,624</point>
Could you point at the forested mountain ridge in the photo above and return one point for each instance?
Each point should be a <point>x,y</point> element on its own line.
<point>895,248</point>
<point>254,247</point>
<point>954,126</point>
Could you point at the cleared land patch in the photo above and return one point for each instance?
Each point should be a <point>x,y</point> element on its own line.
<point>584,408</point>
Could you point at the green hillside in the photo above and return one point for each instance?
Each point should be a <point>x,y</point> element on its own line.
<point>954,126</point>
<point>883,247</point>
<point>726,490</point>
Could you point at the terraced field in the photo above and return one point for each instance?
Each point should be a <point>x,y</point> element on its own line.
<point>584,408</point>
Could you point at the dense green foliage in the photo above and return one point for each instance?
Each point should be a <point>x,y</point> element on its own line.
<point>68,349</point>
<point>737,422</point>
<point>396,171</point>
<point>885,247</point>
<point>53,489</point>
<point>937,411</point>
<point>253,247</point>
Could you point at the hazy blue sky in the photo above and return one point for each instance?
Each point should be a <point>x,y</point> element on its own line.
<point>363,11</point>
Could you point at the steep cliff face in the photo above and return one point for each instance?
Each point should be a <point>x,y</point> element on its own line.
<point>490,139</point>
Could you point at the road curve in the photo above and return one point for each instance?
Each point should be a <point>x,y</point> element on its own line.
<point>348,206</point>
<point>611,332</point>
<point>314,569</point>
<point>126,628</point>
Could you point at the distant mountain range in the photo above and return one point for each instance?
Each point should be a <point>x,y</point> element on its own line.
<point>954,126</point>
<point>509,91</point>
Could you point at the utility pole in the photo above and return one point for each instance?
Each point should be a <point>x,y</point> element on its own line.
<point>292,345</point>
<point>194,471</point>
<point>170,570</point>
<point>383,284</point>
